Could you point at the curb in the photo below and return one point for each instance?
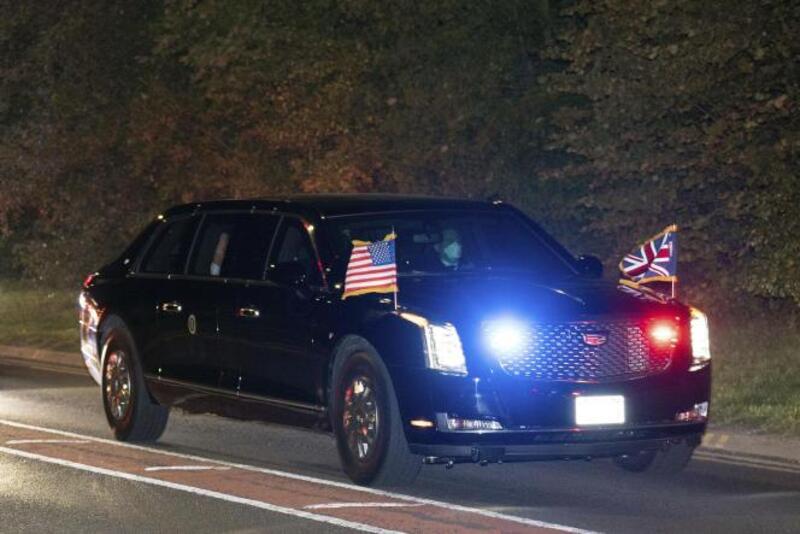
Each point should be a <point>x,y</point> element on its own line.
<point>759,450</point>
<point>42,358</point>
<point>719,444</point>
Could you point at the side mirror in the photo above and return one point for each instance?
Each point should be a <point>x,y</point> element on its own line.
<point>590,267</point>
<point>291,273</point>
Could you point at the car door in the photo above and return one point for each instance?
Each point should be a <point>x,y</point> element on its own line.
<point>158,301</point>
<point>187,324</point>
<point>275,345</point>
<point>232,250</point>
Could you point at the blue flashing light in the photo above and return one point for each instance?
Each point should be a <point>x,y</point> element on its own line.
<point>505,335</point>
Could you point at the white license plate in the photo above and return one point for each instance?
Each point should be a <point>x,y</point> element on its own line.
<point>599,410</point>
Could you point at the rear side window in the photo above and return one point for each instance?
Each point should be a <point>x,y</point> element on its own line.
<point>168,253</point>
<point>233,245</point>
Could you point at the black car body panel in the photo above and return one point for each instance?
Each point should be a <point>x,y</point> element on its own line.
<point>276,363</point>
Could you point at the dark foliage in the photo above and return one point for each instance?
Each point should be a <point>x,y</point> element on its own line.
<point>606,120</point>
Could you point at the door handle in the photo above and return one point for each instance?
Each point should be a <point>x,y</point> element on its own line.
<point>170,307</point>
<point>248,312</point>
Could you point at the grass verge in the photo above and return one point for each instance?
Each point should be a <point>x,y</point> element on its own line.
<point>756,375</point>
<point>756,363</point>
<point>38,318</point>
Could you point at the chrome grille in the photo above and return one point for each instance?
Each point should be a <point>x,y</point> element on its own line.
<point>560,352</point>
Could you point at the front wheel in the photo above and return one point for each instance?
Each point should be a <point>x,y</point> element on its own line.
<point>130,412</point>
<point>667,462</point>
<point>366,420</point>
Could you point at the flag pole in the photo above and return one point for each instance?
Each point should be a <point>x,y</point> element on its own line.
<point>675,274</point>
<point>396,276</point>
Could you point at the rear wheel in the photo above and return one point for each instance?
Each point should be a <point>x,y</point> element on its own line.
<point>662,462</point>
<point>130,412</point>
<point>366,420</point>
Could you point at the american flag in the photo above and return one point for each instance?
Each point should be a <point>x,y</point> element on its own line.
<point>372,268</point>
<point>654,261</point>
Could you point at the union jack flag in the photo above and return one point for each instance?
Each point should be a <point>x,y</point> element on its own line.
<point>654,261</point>
<point>372,268</point>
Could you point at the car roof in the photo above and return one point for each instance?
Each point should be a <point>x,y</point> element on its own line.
<point>336,205</point>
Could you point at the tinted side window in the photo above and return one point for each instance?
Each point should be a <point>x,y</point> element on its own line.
<point>294,253</point>
<point>234,245</point>
<point>169,251</point>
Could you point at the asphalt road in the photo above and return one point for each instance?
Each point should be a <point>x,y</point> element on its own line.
<point>39,494</point>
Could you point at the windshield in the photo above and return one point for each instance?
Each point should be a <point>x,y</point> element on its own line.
<point>444,242</point>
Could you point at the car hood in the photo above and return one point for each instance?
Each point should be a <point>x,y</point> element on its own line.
<point>467,298</point>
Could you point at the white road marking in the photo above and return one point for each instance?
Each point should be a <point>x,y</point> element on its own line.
<point>199,491</point>
<point>186,468</point>
<point>333,505</point>
<point>322,481</point>
<point>25,441</point>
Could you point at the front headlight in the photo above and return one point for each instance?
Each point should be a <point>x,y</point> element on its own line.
<point>443,350</point>
<point>701,345</point>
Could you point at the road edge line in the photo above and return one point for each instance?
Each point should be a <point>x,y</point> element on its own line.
<point>199,491</point>
<point>322,481</point>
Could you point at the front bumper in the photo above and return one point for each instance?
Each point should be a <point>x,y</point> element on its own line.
<point>558,444</point>
<point>538,418</point>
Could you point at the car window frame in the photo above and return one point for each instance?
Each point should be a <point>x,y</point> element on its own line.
<point>310,230</point>
<point>205,215</point>
<point>549,242</point>
<point>165,222</point>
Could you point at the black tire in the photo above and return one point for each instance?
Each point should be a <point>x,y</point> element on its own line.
<point>141,419</point>
<point>667,462</point>
<point>388,462</point>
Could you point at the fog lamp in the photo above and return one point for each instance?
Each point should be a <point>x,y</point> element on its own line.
<point>458,424</point>
<point>421,423</point>
<point>699,412</point>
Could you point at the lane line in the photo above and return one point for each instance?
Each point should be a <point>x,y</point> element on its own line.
<point>321,481</point>
<point>334,505</point>
<point>26,441</point>
<point>200,491</point>
<point>186,468</point>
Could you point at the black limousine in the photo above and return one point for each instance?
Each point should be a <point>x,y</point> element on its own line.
<point>498,345</point>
